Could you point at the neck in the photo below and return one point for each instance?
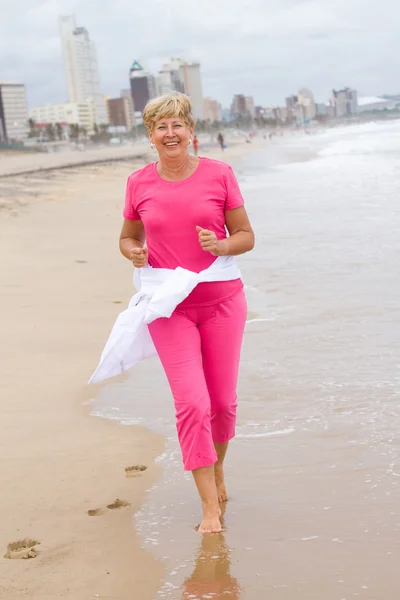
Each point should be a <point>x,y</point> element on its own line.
<point>177,168</point>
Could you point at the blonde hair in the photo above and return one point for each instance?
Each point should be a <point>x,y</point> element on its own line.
<point>172,105</point>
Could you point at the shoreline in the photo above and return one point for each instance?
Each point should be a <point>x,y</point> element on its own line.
<point>28,164</point>
<point>64,285</point>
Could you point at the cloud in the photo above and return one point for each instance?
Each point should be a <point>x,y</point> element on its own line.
<point>264,48</point>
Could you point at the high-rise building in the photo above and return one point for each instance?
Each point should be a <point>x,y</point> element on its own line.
<point>306,100</point>
<point>182,76</point>
<point>13,112</point>
<point>239,106</point>
<point>83,80</point>
<point>143,86</point>
<point>344,102</point>
<point>120,112</point>
<point>191,77</point>
<point>250,107</point>
<point>169,78</point>
<point>212,110</point>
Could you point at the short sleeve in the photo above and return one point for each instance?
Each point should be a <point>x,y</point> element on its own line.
<point>129,211</point>
<point>234,197</point>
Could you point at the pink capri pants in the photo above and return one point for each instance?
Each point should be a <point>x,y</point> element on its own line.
<point>199,348</point>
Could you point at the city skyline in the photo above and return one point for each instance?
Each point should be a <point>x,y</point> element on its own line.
<point>274,52</point>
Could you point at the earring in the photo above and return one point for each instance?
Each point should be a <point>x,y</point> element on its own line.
<point>152,146</point>
<point>190,140</point>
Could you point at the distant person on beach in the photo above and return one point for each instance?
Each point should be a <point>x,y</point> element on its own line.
<point>195,145</point>
<point>221,140</point>
<point>175,215</point>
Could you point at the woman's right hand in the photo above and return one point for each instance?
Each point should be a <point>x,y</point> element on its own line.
<point>139,257</point>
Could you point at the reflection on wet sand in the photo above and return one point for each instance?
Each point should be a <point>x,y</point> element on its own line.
<point>211,577</point>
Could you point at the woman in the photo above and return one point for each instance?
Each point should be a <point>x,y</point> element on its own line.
<point>180,207</point>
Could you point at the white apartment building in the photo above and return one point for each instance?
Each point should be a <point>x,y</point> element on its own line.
<point>251,109</point>
<point>191,78</point>
<point>182,76</point>
<point>344,102</point>
<point>169,78</point>
<point>80,58</point>
<point>306,100</point>
<point>13,112</point>
<point>72,113</point>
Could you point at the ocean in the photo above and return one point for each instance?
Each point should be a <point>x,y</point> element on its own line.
<point>313,474</point>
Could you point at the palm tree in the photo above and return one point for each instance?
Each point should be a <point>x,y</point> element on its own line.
<point>74,131</point>
<point>32,132</point>
<point>59,131</point>
<point>50,132</point>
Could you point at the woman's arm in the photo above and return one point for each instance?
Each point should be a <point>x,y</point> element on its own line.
<point>241,235</point>
<point>131,242</point>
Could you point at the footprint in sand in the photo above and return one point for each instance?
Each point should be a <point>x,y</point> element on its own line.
<point>98,512</point>
<point>135,470</point>
<point>95,512</point>
<point>22,549</point>
<point>118,504</point>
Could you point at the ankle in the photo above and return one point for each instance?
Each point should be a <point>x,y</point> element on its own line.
<point>211,507</point>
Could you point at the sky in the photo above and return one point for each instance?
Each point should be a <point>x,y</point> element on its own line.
<point>267,49</point>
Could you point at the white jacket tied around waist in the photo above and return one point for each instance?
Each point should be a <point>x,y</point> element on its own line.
<point>159,291</point>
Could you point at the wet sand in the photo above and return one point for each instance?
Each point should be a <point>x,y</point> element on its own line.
<point>67,501</point>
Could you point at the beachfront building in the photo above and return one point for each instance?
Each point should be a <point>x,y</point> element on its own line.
<point>13,112</point>
<point>190,75</point>
<point>120,112</point>
<point>169,78</point>
<point>250,106</point>
<point>305,99</point>
<point>71,113</point>
<point>344,102</point>
<point>143,86</point>
<point>212,110</point>
<point>83,80</point>
<point>301,107</point>
<point>243,107</point>
<point>238,106</point>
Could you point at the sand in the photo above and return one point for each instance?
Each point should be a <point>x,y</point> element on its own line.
<point>69,482</point>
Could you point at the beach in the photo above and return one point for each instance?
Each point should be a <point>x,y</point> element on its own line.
<point>63,284</point>
<point>313,474</point>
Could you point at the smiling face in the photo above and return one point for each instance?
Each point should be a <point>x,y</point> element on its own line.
<point>171,137</point>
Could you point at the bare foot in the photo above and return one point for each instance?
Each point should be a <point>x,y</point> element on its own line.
<point>210,522</point>
<point>220,483</point>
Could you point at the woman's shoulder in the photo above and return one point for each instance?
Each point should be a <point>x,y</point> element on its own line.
<point>143,174</point>
<point>217,167</point>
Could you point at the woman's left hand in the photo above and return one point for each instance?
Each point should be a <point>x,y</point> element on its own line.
<point>210,243</point>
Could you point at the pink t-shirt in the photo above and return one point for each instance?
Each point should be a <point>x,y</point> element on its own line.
<point>170,212</point>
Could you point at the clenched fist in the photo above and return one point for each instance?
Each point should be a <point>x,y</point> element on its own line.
<point>139,257</point>
<point>210,243</point>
